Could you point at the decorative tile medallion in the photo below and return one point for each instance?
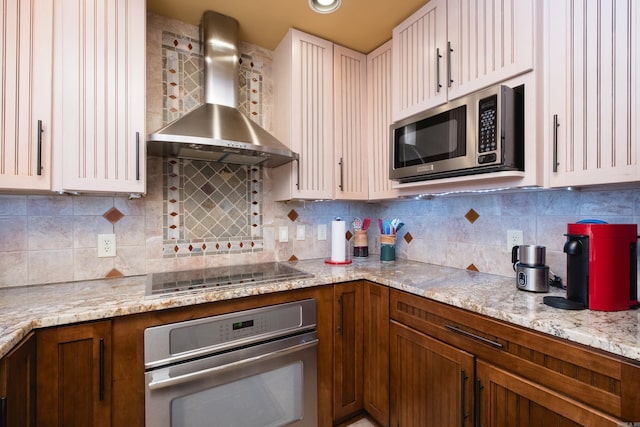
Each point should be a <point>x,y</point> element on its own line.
<point>211,208</point>
<point>408,237</point>
<point>472,267</point>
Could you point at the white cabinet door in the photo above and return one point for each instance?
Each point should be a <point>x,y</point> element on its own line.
<point>25,94</point>
<point>419,60</point>
<point>593,91</point>
<point>303,75</point>
<point>378,121</point>
<point>99,89</point>
<point>349,104</point>
<point>489,41</point>
<point>450,48</point>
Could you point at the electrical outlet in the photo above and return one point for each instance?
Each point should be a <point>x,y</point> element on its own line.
<point>283,234</point>
<point>106,245</point>
<point>300,232</point>
<point>322,232</point>
<point>514,238</point>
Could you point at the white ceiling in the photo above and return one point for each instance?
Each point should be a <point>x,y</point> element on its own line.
<point>360,25</point>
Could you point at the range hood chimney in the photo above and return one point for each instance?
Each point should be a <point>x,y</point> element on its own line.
<point>216,130</point>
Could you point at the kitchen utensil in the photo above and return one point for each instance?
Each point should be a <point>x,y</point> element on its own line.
<point>366,223</point>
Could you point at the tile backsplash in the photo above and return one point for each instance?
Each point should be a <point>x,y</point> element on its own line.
<point>53,238</point>
<point>211,208</point>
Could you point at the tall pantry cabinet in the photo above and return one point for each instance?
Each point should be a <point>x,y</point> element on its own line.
<point>25,94</point>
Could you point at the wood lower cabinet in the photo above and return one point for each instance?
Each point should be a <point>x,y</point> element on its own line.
<point>528,371</point>
<point>18,385</point>
<point>376,352</point>
<point>509,400</point>
<point>74,375</point>
<point>431,382</point>
<point>347,350</point>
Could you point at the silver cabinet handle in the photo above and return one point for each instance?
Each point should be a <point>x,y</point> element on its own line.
<point>474,336</point>
<point>341,164</point>
<point>438,56</point>
<point>449,50</point>
<point>555,142</point>
<point>39,164</point>
<point>298,174</point>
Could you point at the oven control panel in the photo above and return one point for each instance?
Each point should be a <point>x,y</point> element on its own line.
<point>193,338</point>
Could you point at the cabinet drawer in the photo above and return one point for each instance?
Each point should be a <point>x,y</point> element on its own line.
<point>603,381</point>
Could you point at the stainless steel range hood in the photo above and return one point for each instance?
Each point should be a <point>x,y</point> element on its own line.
<point>217,131</point>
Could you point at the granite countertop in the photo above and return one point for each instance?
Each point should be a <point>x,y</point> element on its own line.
<point>25,308</point>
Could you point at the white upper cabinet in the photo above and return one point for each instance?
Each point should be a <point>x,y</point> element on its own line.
<point>303,92</point>
<point>378,121</point>
<point>448,49</point>
<point>488,41</point>
<point>25,94</point>
<point>99,96</point>
<point>350,115</point>
<point>419,60</point>
<point>593,91</point>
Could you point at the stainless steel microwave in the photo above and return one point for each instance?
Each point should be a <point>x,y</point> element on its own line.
<point>479,133</point>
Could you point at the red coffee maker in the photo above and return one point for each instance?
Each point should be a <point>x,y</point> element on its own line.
<point>601,267</point>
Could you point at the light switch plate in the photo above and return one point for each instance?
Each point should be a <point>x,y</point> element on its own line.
<point>283,234</point>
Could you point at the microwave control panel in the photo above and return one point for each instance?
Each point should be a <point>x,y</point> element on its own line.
<point>487,129</point>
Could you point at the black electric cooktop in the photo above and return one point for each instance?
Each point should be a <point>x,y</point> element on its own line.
<point>219,277</point>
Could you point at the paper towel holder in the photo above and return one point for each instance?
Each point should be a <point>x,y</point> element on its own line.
<point>340,251</point>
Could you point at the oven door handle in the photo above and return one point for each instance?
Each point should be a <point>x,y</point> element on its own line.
<point>166,382</point>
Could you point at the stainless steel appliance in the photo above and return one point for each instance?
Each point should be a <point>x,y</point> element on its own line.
<point>253,368</point>
<point>175,282</point>
<point>531,272</point>
<point>482,132</point>
<point>216,130</point>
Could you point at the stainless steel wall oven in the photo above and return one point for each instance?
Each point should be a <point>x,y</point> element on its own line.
<point>253,368</point>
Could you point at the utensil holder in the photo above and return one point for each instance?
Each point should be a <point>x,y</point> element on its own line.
<point>361,244</point>
<point>387,247</point>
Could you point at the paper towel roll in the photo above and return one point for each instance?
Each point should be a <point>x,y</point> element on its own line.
<point>338,241</point>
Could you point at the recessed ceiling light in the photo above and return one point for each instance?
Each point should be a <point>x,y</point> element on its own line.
<point>324,6</point>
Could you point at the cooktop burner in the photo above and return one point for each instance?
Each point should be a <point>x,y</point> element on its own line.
<point>219,277</point>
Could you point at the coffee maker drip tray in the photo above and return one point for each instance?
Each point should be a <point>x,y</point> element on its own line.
<point>563,303</point>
